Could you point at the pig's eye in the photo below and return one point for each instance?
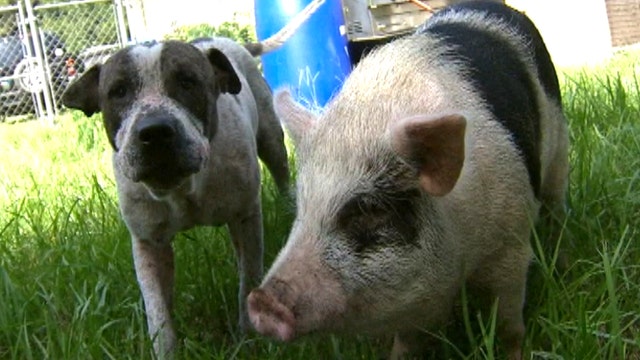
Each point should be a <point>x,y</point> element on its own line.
<point>371,222</point>
<point>362,221</point>
<point>367,231</point>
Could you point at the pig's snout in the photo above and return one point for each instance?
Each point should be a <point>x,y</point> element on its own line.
<point>271,317</point>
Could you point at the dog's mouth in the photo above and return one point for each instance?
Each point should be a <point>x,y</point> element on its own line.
<point>162,190</point>
<point>165,168</point>
<point>165,177</point>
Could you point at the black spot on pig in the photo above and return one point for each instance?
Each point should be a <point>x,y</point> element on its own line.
<point>509,92</point>
<point>384,215</point>
<point>373,220</point>
<point>525,27</point>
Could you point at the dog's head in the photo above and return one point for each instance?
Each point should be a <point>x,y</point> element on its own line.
<point>158,101</point>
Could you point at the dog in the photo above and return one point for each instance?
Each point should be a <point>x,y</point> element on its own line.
<point>187,123</point>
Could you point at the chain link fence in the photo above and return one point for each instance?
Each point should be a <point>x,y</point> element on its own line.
<point>44,47</point>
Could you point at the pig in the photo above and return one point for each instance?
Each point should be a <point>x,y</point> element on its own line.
<point>422,177</point>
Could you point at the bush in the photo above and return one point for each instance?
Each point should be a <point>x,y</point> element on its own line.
<point>233,30</point>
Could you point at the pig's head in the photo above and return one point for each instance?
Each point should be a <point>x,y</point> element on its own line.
<point>366,249</point>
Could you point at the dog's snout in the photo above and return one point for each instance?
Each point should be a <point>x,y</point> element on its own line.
<point>156,130</point>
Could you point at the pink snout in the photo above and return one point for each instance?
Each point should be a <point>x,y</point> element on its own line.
<point>270,317</point>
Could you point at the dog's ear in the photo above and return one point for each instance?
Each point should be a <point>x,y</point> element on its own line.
<point>225,74</point>
<point>82,94</point>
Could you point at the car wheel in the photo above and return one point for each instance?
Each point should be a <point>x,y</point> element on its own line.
<point>29,75</point>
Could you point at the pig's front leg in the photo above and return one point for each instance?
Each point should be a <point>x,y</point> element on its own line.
<point>400,348</point>
<point>511,329</point>
<point>410,344</point>
<point>503,279</point>
<point>155,272</point>
<point>246,235</point>
<point>406,345</point>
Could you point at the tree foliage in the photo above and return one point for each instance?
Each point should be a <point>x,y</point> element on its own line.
<point>233,30</point>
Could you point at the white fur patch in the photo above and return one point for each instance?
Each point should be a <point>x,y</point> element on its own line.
<point>147,60</point>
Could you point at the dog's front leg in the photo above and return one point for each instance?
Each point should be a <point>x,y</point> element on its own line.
<point>155,271</point>
<point>246,235</point>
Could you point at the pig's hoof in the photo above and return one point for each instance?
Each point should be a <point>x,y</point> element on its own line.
<point>270,317</point>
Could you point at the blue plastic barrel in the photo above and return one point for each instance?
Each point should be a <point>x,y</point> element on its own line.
<point>314,62</point>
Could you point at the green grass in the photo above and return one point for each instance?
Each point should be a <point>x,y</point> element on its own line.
<point>68,290</point>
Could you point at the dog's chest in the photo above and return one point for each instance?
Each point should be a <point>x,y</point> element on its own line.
<point>185,212</point>
<point>215,204</point>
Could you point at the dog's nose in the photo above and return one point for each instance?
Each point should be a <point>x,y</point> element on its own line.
<point>155,130</point>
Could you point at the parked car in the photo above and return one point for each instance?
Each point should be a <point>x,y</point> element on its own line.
<point>21,79</point>
<point>97,54</point>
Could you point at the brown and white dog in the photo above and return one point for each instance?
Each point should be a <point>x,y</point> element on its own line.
<point>187,122</point>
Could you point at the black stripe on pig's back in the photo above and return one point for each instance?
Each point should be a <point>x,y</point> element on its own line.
<point>502,79</point>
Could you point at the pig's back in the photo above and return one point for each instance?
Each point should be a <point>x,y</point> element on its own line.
<point>526,29</point>
<point>512,92</point>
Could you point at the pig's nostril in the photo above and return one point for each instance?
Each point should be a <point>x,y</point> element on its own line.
<point>270,317</point>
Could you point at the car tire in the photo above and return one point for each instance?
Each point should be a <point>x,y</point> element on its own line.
<point>30,75</point>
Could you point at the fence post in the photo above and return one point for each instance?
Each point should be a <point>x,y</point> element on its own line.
<point>49,108</point>
<point>136,20</point>
<point>123,37</point>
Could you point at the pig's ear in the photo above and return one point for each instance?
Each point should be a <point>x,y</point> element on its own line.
<point>435,144</point>
<point>297,120</point>
<point>82,94</point>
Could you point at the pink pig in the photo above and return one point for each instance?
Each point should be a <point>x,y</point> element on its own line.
<point>423,175</point>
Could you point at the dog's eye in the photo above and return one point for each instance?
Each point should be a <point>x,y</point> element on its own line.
<point>118,91</point>
<point>187,81</point>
